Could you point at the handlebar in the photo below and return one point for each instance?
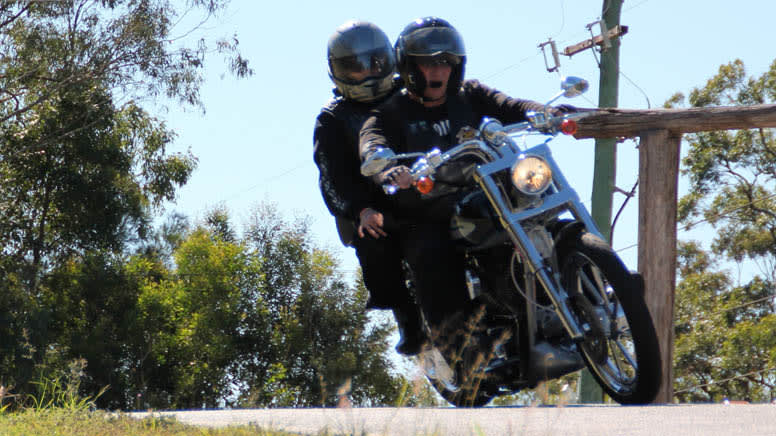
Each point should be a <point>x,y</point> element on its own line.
<point>493,136</point>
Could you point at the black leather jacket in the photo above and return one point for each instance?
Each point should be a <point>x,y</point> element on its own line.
<point>345,191</point>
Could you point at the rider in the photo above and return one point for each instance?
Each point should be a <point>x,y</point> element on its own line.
<point>362,66</point>
<point>433,110</point>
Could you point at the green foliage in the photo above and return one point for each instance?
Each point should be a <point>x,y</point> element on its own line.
<point>201,321</point>
<point>176,317</point>
<point>723,327</point>
<point>82,163</point>
<point>320,331</point>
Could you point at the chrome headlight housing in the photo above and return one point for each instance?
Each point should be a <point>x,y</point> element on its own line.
<point>531,175</point>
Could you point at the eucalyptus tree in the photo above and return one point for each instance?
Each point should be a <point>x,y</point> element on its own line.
<point>725,346</point>
<point>84,161</point>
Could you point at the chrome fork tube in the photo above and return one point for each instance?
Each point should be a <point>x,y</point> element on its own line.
<point>520,239</point>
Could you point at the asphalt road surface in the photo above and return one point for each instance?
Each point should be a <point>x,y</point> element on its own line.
<point>593,420</point>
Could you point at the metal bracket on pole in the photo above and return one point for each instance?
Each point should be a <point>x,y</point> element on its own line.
<point>555,57</point>
<point>603,40</point>
<point>604,34</point>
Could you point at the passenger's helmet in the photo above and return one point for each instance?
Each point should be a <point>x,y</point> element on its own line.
<point>361,61</point>
<point>430,37</point>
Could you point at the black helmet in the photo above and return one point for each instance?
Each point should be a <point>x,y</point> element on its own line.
<point>361,61</point>
<point>431,37</point>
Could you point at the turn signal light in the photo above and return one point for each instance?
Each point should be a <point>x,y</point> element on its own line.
<point>424,185</point>
<point>569,127</point>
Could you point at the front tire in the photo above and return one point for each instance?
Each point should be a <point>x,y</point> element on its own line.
<point>621,347</point>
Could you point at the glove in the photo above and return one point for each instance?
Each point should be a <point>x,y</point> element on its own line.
<point>563,109</point>
<point>398,175</point>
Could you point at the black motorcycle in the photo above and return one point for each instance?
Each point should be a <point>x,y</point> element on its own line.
<point>553,295</point>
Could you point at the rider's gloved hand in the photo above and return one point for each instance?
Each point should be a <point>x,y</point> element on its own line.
<point>398,175</point>
<point>563,109</point>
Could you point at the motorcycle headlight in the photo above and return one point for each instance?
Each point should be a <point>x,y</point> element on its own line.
<point>531,175</point>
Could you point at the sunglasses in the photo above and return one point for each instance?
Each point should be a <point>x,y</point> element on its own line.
<point>443,59</point>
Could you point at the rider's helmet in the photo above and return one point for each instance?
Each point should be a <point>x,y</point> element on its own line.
<point>361,61</point>
<point>430,37</point>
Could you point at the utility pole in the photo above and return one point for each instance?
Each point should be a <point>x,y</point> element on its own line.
<point>604,169</point>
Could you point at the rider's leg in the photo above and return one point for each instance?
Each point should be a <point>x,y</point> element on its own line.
<point>380,261</point>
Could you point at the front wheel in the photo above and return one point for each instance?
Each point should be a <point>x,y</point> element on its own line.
<point>620,346</point>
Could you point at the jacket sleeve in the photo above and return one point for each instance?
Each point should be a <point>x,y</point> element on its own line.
<point>372,136</point>
<point>491,102</point>
<point>344,190</point>
<point>375,134</point>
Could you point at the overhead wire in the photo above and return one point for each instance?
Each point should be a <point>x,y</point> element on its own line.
<point>270,179</point>
<point>490,76</point>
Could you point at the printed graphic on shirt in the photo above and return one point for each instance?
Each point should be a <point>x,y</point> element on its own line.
<point>418,127</point>
<point>442,128</point>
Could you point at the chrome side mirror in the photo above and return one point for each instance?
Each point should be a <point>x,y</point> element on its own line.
<point>378,161</point>
<point>570,87</point>
<point>573,86</point>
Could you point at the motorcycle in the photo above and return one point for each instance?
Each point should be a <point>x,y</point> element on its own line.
<point>554,296</point>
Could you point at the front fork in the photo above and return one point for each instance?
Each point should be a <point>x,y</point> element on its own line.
<point>548,277</point>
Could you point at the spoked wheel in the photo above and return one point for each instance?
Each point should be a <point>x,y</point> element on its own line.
<point>620,346</point>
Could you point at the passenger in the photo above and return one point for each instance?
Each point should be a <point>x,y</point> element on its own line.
<point>362,66</point>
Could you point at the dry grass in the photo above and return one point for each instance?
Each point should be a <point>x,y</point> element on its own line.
<point>73,422</point>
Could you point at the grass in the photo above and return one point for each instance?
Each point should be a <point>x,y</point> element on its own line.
<point>57,409</point>
<point>70,422</point>
<point>60,421</point>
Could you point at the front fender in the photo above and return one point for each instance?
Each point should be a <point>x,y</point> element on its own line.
<point>565,231</point>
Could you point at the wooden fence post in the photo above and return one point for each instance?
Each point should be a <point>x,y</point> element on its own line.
<point>658,177</point>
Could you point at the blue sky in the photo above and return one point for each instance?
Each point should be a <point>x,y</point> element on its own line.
<point>254,142</point>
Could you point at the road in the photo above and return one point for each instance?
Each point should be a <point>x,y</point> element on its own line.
<point>593,420</point>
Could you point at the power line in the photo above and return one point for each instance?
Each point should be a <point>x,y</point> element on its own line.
<point>649,105</point>
<point>516,64</point>
<point>268,180</point>
<point>635,6</point>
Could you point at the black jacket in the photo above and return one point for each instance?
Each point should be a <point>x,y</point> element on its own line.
<point>345,191</point>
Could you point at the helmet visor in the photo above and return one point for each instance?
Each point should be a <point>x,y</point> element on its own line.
<point>431,41</point>
<point>357,68</point>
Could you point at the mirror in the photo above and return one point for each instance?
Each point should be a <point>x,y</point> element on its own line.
<point>573,86</point>
<point>377,162</point>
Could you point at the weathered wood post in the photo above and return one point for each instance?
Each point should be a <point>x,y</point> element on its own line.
<point>658,178</point>
<point>661,132</point>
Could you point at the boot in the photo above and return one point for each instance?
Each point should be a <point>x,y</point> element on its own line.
<point>411,336</point>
